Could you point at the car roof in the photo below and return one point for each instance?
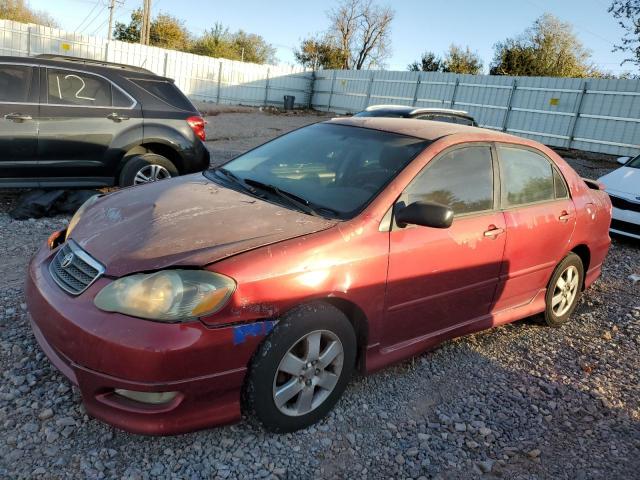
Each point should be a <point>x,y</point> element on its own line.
<point>89,65</point>
<point>425,129</point>
<point>407,110</point>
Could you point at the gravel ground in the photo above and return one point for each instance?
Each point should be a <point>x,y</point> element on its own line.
<point>518,402</point>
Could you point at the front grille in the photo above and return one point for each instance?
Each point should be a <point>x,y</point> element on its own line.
<point>623,204</point>
<point>628,227</point>
<point>73,269</point>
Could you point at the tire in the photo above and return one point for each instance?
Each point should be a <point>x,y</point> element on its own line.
<point>561,300</point>
<point>269,373</point>
<point>151,165</point>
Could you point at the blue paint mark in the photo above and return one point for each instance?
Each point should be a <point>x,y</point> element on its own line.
<point>258,329</point>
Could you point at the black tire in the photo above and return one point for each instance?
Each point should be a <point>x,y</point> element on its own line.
<point>550,316</point>
<point>139,162</point>
<point>260,385</point>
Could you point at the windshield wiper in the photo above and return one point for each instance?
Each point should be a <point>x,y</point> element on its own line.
<point>233,178</point>
<point>292,198</point>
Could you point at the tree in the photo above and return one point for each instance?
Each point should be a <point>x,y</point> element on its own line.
<point>362,30</point>
<point>19,11</point>
<point>549,48</point>
<point>627,12</point>
<point>220,43</point>
<point>166,31</point>
<point>318,53</point>
<point>457,60</point>
<point>428,63</point>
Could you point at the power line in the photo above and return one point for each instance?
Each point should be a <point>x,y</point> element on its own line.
<point>88,25</point>
<point>88,15</point>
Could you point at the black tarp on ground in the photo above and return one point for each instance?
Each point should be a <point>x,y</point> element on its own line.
<point>47,203</point>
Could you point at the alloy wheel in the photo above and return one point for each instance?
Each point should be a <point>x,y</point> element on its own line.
<point>308,373</point>
<point>564,293</point>
<point>151,173</point>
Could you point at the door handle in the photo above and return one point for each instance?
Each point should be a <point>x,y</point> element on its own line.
<point>493,231</point>
<point>17,117</point>
<point>564,216</point>
<point>116,118</point>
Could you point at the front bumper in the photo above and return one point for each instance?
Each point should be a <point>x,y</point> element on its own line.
<point>625,222</point>
<point>100,352</point>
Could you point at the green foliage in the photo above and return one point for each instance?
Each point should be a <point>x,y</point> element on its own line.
<point>319,53</point>
<point>19,11</point>
<point>429,62</point>
<point>627,12</point>
<point>166,31</point>
<point>220,43</point>
<point>457,60</point>
<point>549,49</point>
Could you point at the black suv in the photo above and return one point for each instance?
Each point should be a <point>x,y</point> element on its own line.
<point>69,122</point>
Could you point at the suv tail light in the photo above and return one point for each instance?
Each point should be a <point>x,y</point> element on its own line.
<point>197,125</point>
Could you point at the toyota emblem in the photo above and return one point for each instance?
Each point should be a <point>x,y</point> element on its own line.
<point>67,260</point>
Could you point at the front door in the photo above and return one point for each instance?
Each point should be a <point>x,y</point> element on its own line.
<point>80,117</point>
<point>441,278</point>
<point>18,124</point>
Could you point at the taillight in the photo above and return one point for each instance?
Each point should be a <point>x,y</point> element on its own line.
<point>197,125</point>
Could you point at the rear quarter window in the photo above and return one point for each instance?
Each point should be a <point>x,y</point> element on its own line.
<point>165,91</point>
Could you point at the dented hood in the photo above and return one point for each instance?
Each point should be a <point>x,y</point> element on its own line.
<point>184,221</point>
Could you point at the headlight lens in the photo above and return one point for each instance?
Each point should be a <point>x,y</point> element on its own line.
<point>76,216</point>
<point>168,296</point>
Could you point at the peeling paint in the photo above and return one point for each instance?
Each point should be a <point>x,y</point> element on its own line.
<point>258,329</point>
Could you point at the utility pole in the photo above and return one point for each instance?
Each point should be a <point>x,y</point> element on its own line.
<point>112,6</point>
<point>145,30</point>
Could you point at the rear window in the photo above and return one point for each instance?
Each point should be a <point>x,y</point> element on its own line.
<point>165,91</point>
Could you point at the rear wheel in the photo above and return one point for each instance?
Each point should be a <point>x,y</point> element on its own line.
<point>563,291</point>
<point>301,369</point>
<point>146,168</point>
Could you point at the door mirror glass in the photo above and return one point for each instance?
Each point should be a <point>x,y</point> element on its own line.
<point>425,214</point>
<point>623,160</point>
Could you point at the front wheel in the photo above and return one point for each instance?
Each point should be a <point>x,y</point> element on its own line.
<point>146,168</point>
<point>301,369</point>
<point>563,291</point>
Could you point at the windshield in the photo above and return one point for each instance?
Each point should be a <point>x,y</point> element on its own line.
<point>335,168</point>
<point>635,163</point>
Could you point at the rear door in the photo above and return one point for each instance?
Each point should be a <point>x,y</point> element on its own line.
<point>18,123</point>
<point>540,219</point>
<point>84,121</point>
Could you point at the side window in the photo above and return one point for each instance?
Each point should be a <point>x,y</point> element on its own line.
<point>527,177</point>
<point>15,81</point>
<point>67,87</point>
<point>559,185</point>
<point>461,179</point>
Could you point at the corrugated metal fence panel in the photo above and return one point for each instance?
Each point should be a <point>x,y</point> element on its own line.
<point>594,114</point>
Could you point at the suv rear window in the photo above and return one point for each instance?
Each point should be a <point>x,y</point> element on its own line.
<point>165,91</point>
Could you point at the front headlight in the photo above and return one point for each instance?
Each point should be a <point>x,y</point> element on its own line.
<point>167,296</point>
<point>76,216</point>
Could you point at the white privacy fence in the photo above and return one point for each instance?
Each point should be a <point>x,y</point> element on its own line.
<point>586,114</point>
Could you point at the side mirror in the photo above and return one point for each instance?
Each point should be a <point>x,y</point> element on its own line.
<point>426,214</point>
<point>623,160</point>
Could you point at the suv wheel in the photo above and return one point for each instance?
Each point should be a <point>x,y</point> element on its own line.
<point>146,168</point>
<point>301,369</point>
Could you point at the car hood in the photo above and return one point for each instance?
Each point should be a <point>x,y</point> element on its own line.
<point>183,221</point>
<point>625,180</point>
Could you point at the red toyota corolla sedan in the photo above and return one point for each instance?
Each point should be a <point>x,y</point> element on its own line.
<point>262,285</point>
